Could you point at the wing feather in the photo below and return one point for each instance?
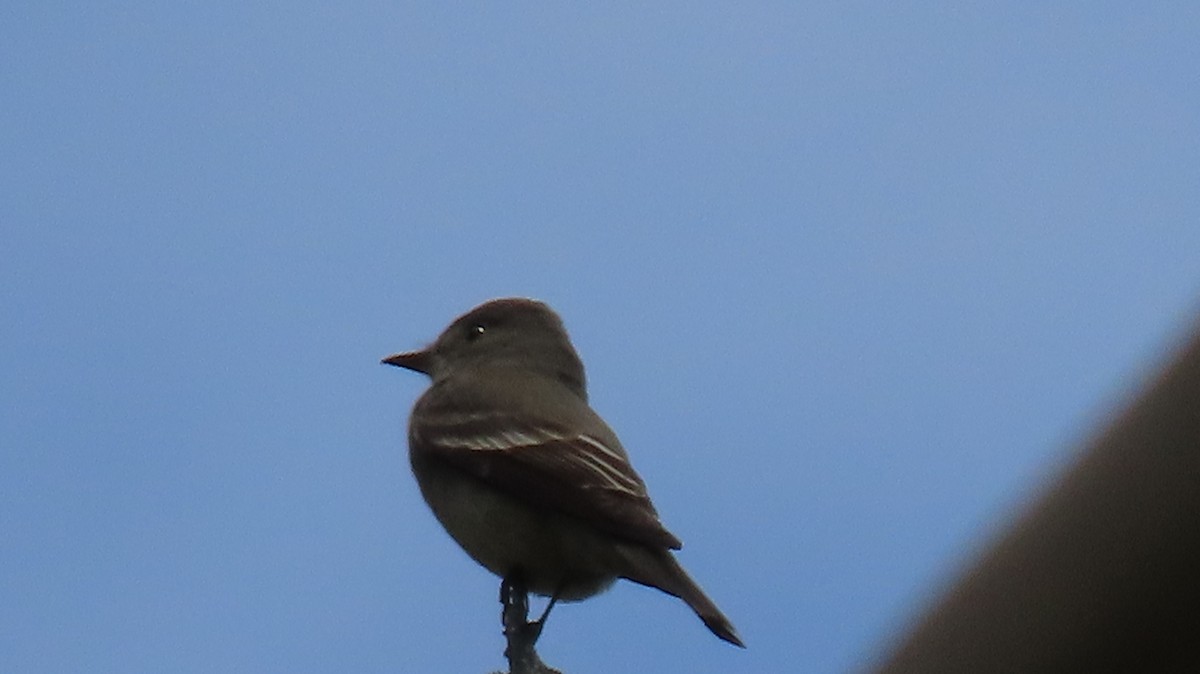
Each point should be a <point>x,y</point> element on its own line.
<point>575,473</point>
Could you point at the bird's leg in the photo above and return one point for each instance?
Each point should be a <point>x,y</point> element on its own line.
<point>541,622</point>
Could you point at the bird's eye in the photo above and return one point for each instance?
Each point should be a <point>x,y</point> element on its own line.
<point>475,332</point>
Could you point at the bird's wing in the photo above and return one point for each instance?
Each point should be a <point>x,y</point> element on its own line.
<point>569,472</point>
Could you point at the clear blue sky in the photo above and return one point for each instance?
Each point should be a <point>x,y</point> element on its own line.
<point>849,279</point>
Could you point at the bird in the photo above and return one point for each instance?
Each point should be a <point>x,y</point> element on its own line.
<point>524,475</point>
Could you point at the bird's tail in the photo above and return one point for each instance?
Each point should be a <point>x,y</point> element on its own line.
<point>658,568</point>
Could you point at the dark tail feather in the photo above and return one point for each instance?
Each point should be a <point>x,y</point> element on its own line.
<point>658,568</point>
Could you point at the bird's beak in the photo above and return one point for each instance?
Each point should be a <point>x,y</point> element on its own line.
<point>417,361</point>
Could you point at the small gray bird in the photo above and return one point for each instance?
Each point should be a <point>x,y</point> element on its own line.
<point>524,475</point>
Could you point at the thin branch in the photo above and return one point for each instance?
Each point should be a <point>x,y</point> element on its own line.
<point>520,633</point>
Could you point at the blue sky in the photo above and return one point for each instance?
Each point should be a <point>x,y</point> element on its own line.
<point>850,280</point>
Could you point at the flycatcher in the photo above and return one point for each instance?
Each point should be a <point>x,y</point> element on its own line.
<point>524,475</point>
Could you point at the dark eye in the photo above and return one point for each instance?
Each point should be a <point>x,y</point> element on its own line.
<point>475,332</point>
